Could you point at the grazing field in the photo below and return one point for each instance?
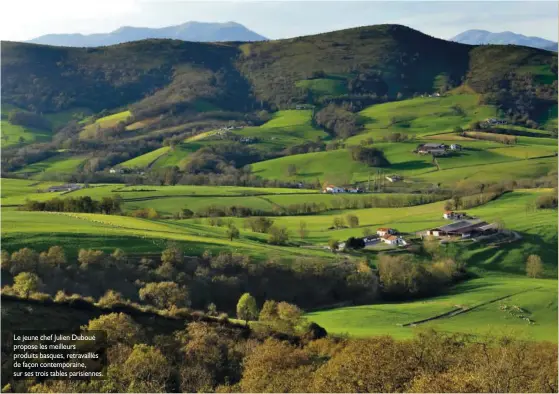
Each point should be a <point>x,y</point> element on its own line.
<point>337,166</point>
<point>423,115</point>
<point>104,123</point>
<point>74,231</point>
<point>145,160</point>
<point>483,296</point>
<point>59,164</point>
<point>330,166</point>
<point>286,128</point>
<point>484,303</point>
<point>507,171</point>
<point>17,191</point>
<point>15,134</point>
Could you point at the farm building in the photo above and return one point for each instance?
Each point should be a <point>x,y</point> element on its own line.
<point>462,228</point>
<point>64,188</point>
<point>451,215</point>
<point>455,147</point>
<point>393,240</point>
<point>428,148</point>
<point>382,231</point>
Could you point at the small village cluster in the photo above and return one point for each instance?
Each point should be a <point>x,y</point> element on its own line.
<point>464,226</point>
<point>437,149</point>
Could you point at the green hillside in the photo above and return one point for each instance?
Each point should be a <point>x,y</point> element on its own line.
<point>485,296</point>
<point>13,135</point>
<point>58,164</point>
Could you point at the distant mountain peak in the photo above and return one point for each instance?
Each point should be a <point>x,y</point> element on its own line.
<point>188,31</point>
<point>481,37</point>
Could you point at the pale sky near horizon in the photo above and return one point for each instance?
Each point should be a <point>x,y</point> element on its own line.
<point>22,20</point>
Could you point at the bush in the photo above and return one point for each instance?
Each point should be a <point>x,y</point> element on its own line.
<point>546,202</point>
<point>368,155</point>
<point>278,235</point>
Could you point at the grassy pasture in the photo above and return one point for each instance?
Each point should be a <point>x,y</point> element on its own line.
<point>338,167</point>
<point>75,231</point>
<point>59,164</point>
<point>422,116</point>
<point>286,128</point>
<point>104,123</point>
<point>145,160</point>
<point>12,133</point>
<point>538,296</point>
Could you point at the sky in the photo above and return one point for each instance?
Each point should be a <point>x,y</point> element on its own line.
<point>22,20</point>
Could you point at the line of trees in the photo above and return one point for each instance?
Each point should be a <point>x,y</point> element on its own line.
<point>85,204</point>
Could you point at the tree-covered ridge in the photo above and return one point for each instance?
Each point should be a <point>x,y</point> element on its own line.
<point>246,76</point>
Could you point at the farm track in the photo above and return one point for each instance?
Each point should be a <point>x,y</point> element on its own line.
<point>459,311</point>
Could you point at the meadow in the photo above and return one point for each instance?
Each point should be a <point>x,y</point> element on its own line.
<point>499,270</point>
<point>483,298</point>
<point>58,164</point>
<point>104,123</point>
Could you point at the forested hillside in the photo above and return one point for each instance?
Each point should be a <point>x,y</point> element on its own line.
<point>377,60</point>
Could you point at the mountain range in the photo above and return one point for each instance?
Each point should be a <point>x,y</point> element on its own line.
<point>480,37</point>
<point>189,31</point>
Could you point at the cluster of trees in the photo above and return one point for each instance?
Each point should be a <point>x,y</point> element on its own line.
<point>338,121</point>
<point>206,357</point>
<point>107,205</point>
<point>371,156</point>
<point>28,119</point>
<point>200,281</point>
<point>460,201</point>
<point>547,201</point>
<point>404,277</point>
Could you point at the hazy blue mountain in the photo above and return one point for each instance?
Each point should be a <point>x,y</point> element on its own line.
<point>189,31</point>
<point>478,37</point>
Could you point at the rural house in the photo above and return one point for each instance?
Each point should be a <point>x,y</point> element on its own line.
<point>333,189</point>
<point>428,148</point>
<point>382,231</point>
<point>451,215</point>
<point>393,240</point>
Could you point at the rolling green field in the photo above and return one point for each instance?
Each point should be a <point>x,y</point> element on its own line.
<point>59,164</point>
<point>338,167</point>
<point>485,296</point>
<point>422,116</point>
<point>500,269</point>
<point>104,122</point>
<point>286,128</point>
<point>145,160</point>
<point>11,134</point>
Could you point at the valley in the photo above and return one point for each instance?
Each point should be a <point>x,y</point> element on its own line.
<point>307,194</point>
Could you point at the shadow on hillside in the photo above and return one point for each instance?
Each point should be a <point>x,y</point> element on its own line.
<point>411,165</point>
<point>511,258</point>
